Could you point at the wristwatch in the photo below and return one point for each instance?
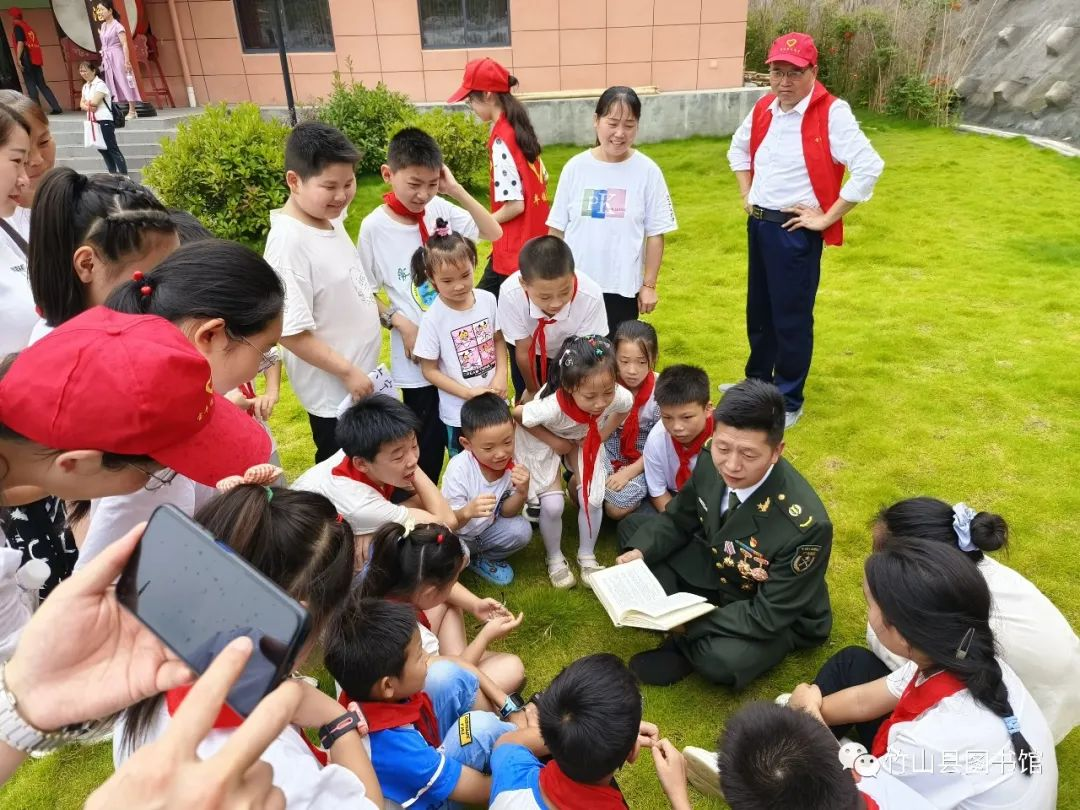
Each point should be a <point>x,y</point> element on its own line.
<point>384,317</point>
<point>20,735</point>
<point>352,720</point>
<point>514,703</point>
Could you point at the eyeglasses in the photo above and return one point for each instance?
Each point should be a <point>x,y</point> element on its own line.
<point>155,481</point>
<point>790,75</point>
<point>269,358</point>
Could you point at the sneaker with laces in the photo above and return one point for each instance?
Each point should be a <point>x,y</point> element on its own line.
<point>791,417</point>
<point>560,574</point>
<point>702,771</point>
<point>495,571</point>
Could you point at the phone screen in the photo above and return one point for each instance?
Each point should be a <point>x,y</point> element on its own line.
<point>197,595</point>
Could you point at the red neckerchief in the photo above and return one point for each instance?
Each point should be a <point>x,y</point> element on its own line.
<point>348,470</point>
<point>870,803</point>
<point>416,711</point>
<point>688,454</point>
<point>915,700</point>
<point>509,466</point>
<point>631,428</point>
<point>421,617</point>
<point>227,719</point>
<point>566,794</point>
<point>398,207</point>
<point>248,390</point>
<point>590,448</point>
<point>539,338</point>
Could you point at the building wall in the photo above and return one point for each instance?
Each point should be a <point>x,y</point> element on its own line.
<point>555,45</point>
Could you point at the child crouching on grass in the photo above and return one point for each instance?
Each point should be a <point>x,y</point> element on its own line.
<point>575,411</point>
<point>431,733</point>
<point>487,489</point>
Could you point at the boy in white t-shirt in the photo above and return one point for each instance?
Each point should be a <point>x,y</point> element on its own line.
<point>331,322</point>
<point>545,303</point>
<point>374,479</point>
<point>487,490</point>
<point>389,236</point>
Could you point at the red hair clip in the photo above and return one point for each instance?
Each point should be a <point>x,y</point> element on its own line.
<point>339,519</point>
<point>439,538</point>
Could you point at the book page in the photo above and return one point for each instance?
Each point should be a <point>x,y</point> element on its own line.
<point>625,587</point>
<point>669,604</point>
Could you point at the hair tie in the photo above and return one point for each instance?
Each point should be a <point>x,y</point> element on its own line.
<point>439,538</point>
<point>339,519</point>
<point>269,494</point>
<point>262,474</point>
<point>567,358</point>
<point>1012,725</point>
<point>442,230</point>
<point>965,644</point>
<point>962,517</point>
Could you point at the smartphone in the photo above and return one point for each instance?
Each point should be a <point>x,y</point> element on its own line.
<point>197,595</point>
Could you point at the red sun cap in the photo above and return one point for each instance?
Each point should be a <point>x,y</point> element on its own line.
<point>485,75</point>
<point>15,12</point>
<point>131,385</point>
<point>798,49</point>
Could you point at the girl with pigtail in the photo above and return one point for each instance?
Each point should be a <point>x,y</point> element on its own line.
<point>579,406</point>
<point>420,566</point>
<point>955,723</point>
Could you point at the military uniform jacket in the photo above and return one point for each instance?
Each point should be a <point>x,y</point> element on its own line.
<point>766,563</point>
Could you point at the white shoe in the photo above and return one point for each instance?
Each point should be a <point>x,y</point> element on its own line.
<point>560,575</point>
<point>702,771</point>
<point>791,417</point>
<point>724,388</point>
<point>588,568</point>
<point>782,700</point>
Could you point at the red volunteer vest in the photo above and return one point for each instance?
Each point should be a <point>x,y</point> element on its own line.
<point>533,220</point>
<point>826,175</point>
<point>33,47</point>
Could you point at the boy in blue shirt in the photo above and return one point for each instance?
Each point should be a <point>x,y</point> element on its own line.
<point>427,745</point>
<point>590,724</point>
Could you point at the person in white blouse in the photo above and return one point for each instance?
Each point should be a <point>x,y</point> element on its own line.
<point>789,156</point>
<point>1035,639</point>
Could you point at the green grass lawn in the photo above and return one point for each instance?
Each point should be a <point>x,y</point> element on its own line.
<point>946,360</point>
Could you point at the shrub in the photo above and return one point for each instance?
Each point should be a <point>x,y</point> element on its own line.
<point>368,117</point>
<point>463,139</point>
<point>227,167</point>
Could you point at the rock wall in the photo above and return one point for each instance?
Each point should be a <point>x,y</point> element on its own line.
<point>1025,73</point>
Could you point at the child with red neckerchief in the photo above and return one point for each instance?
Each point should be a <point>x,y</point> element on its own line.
<point>579,406</point>
<point>431,729</point>
<point>589,721</point>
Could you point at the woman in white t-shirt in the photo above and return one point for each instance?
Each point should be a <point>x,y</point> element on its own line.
<point>97,98</point>
<point>17,315</point>
<point>1035,639</point>
<point>956,723</point>
<point>613,208</point>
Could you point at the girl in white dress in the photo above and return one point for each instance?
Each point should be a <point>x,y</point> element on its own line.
<point>567,423</point>
<point>1035,639</point>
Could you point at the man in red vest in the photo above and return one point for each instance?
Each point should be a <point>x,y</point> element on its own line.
<point>789,156</point>
<point>28,52</point>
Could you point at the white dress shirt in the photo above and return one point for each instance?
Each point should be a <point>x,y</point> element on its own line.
<point>780,176</point>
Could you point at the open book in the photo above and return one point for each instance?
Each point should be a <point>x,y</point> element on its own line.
<point>633,597</point>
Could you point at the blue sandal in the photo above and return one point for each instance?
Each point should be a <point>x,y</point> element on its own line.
<point>494,571</point>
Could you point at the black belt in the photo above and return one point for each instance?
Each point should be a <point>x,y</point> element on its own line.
<point>769,215</point>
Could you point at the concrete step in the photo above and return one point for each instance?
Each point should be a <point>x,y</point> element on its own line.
<point>75,137</point>
<point>65,154</point>
<point>91,162</point>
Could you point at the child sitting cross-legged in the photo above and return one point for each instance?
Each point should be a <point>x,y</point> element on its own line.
<point>487,489</point>
<point>590,723</point>
<point>430,737</point>
<point>375,477</point>
<point>420,567</point>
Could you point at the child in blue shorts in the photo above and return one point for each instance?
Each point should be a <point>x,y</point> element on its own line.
<point>428,744</point>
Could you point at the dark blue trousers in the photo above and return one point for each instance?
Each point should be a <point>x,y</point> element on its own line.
<point>781,287</point>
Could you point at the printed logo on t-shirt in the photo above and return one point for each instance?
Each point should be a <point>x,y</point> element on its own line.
<point>604,203</point>
<point>360,284</point>
<point>19,268</point>
<point>423,295</point>
<point>475,347</point>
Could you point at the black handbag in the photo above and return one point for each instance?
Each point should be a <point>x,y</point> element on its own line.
<point>119,121</point>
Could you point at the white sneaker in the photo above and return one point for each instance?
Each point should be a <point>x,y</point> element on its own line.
<point>791,417</point>
<point>702,771</point>
<point>724,388</point>
<point>782,700</point>
<point>588,568</point>
<point>560,575</point>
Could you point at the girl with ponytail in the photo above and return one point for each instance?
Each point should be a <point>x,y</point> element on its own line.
<point>1034,638</point>
<point>518,182</point>
<point>955,723</point>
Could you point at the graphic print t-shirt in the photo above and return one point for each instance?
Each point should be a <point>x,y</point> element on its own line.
<point>463,341</point>
<point>606,211</point>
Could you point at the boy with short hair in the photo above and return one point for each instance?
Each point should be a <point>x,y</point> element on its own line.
<point>377,460</point>
<point>544,303</point>
<point>389,236</point>
<point>487,490</point>
<point>330,328</point>
<point>674,444</point>
<point>427,746</point>
<point>590,723</point>
<point>775,756</point>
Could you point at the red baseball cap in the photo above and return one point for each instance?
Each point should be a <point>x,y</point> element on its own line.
<point>132,385</point>
<point>798,49</point>
<point>485,75</point>
<point>15,12</point>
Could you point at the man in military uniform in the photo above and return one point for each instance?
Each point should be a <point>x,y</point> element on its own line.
<point>748,533</point>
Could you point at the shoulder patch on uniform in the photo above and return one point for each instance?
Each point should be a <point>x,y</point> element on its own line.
<point>801,516</point>
<point>464,729</point>
<point>805,557</point>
